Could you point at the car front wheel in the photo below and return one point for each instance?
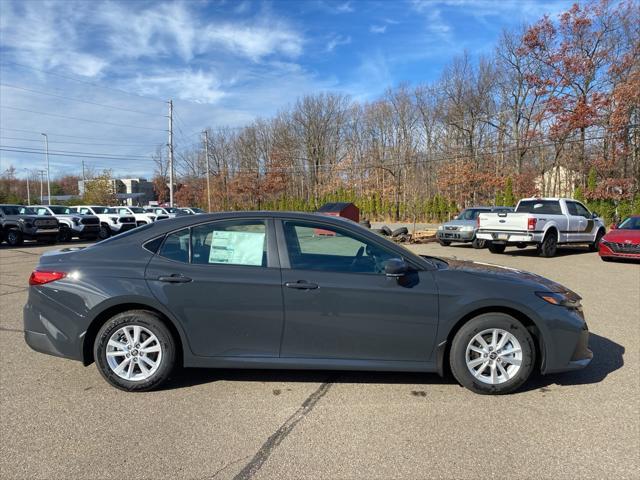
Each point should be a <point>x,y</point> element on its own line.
<point>104,232</point>
<point>134,351</point>
<point>492,354</point>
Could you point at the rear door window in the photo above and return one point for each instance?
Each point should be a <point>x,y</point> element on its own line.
<point>176,246</point>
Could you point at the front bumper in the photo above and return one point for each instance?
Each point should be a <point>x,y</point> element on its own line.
<point>609,251</point>
<point>121,227</point>
<point>39,233</point>
<point>82,231</point>
<point>455,235</point>
<point>567,347</point>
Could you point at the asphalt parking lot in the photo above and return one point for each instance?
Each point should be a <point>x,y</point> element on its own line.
<point>61,420</point>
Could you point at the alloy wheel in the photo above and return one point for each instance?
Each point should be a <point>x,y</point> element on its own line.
<point>494,356</point>
<point>134,353</point>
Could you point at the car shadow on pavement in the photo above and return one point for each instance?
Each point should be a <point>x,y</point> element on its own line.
<point>608,357</point>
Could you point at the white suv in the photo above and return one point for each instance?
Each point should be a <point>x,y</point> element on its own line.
<point>111,222</point>
<point>142,217</point>
<point>169,212</point>
<point>72,224</point>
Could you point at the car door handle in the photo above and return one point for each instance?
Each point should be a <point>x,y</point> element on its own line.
<point>175,278</point>
<point>301,285</point>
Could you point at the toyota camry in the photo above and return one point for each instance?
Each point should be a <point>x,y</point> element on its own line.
<point>295,291</point>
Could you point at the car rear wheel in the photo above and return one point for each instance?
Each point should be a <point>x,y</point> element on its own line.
<point>14,238</point>
<point>444,243</point>
<point>104,232</point>
<point>134,351</point>
<point>497,247</point>
<point>492,354</point>
<point>549,245</point>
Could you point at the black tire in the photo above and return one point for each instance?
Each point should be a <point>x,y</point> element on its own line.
<point>596,243</point>
<point>152,323</point>
<point>549,245</point>
<point>14,237</point>
<point>385,230</point>
<point>477,243</point>
<point>487,322</point>
<point>104,232</point>
<point>65,234</point>
<point>400,231</point>
<point>497,247</point>
<point>444,243</point>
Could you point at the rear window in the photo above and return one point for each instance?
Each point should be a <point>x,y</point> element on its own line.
<point>548,207</point>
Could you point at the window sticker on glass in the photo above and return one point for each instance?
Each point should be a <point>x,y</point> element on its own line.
<point>239,248</point>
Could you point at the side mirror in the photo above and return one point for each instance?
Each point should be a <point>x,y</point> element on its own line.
<point>396,268</point>
<point>594,215</point>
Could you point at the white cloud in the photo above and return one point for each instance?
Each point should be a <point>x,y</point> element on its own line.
<point>345,8</point>
<point>336,41</point>
<point>195,87</point>
<point>379,29</point>
<point>255,41</point>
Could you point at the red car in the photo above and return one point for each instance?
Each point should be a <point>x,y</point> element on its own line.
<point>623,241</point>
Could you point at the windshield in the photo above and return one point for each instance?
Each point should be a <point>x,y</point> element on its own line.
<point>171,210</point>
<point>631,223</point>
<point>15,210</point>
<point>470,214</point>
<point>60,210</point>
<point>136,209</point>
<point>197,210</point>
<point>100,210</point>
<point>548,207</point>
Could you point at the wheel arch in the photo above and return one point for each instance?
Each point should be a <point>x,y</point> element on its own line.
<point>553,229</point>
<point>101,318</point>
<point>444,348</point>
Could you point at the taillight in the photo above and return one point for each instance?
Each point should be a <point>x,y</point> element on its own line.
<point>40,277</point>
<point>478,221</point>
<point>531,224</point>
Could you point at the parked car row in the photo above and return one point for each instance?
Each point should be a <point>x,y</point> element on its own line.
<point>544,223</point>
<point>60,223</point>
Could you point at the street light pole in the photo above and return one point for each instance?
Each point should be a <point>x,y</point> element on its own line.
<point>206,154</point>
<point>46,147</point>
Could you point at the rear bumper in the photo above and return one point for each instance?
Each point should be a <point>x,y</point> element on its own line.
<point>498,236</point>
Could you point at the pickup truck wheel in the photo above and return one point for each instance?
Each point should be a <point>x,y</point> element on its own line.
<point>444,243</point>
<point>596,243</point>
<point>493,354</point>
<point>477,243</point>
<point>65,234</point>
<point>497,247</point>
<point>14,237</point>
<point>549,245</point>
<point>104,232</point>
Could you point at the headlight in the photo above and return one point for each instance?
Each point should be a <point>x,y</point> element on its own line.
<point>563,299</point>
<point>441,227</point>
<point>466,228</point>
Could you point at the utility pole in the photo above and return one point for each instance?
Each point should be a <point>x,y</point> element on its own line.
<point>46,147</point>
<point>28,189</point>
<point>171,153</point>
<point>41,172</point>
<point>206,154</point>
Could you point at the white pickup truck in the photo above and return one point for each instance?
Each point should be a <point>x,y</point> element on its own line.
<point>544,222</point>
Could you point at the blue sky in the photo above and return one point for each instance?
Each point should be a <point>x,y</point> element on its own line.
<point>95,76</point>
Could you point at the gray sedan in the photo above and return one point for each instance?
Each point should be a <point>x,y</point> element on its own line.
<point>299,291</point>
<point>463,228</point>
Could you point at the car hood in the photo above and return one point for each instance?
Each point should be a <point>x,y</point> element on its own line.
<point>621,235</point>
<point>488,270</point>
<point>460,223</point>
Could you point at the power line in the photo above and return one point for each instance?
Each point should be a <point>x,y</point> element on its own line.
<point>40,92</point>
<point>97,156</point>
<point>39,150</point>
<point>85,143</point>
<point>80,119</point>
<point>82,81</point>
<point>53,134</point>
